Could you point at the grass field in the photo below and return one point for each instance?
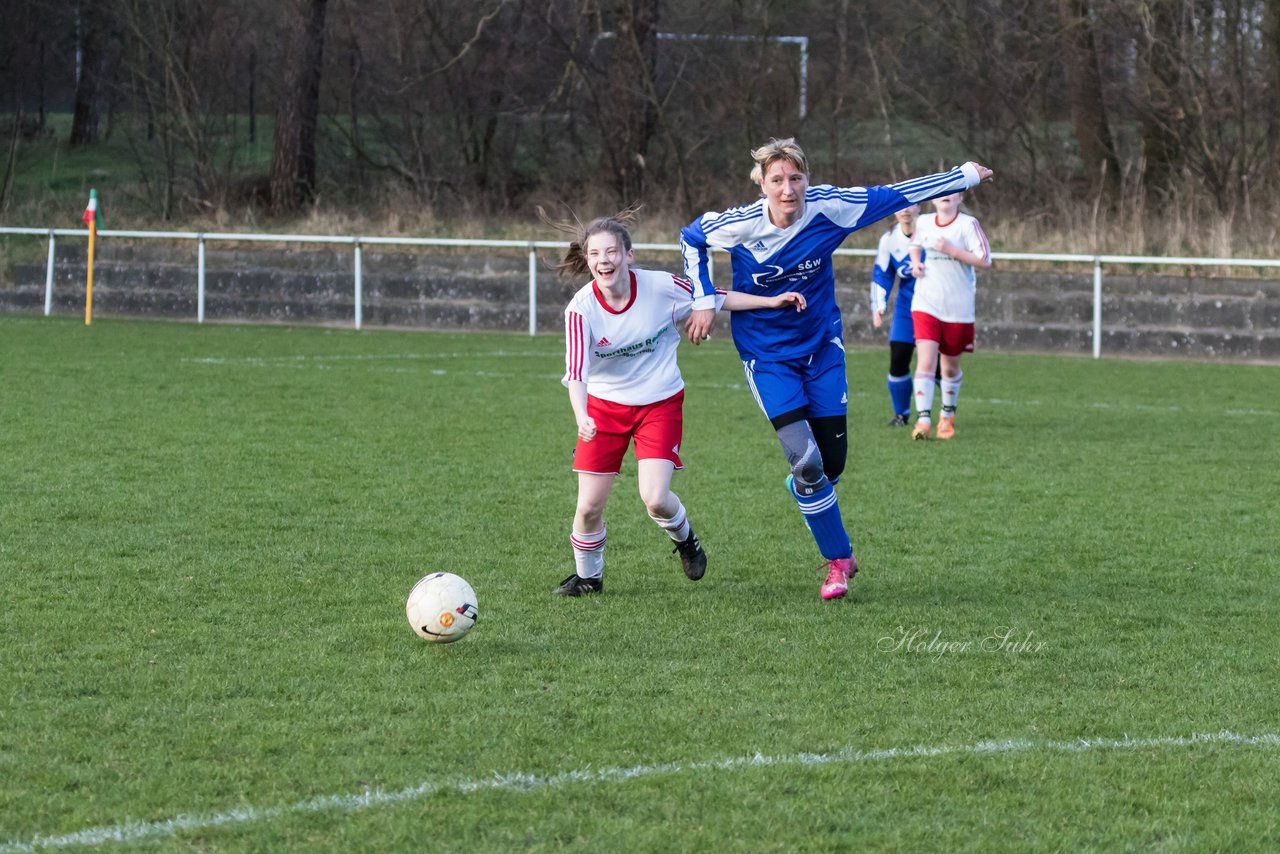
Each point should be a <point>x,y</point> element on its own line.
<point>1062,637</point>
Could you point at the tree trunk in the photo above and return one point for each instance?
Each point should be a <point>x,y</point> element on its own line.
<point>1088,112</point>
<point>293,154</point>
<point>629,124</point>
<point>1165,122</point>
<point>90,35</point>
<point>1272,52</point>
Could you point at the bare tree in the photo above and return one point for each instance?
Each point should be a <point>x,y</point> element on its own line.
<point>293,154</point>
<point>93,21</point>
<point>1088,109</point>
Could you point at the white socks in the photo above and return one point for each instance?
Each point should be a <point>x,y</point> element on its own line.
<point>588,553</point>
<point>923,385</point>
<point>950,391</point>
<point>677,527</point>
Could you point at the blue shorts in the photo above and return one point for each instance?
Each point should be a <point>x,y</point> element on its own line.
<point>900,327</point>
<point>815,383</point>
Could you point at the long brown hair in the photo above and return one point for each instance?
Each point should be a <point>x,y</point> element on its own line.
<point>574,263</point>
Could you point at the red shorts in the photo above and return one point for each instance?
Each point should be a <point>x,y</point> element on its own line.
<point>656,428</point>
<point>953,338</point>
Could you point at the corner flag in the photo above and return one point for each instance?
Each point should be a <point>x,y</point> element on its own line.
<point>92,219</point>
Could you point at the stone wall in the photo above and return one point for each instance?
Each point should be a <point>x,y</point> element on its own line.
<point>440,288</point>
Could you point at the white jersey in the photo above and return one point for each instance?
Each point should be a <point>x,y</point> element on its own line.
<point>628,355</point>
<point>946,290</point>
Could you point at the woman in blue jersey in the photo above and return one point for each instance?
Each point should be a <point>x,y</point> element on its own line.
<point>893,269</point>
<point>794,363</point>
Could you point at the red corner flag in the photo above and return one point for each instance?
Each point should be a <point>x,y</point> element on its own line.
<point>91,216</point>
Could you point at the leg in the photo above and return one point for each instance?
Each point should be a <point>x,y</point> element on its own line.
<point>926,366</point>
<point>668,513</point>
<point>900,381</point>
<point>782,390</point>
<point>831,433</point>
<point>588,536</point>
<point>951,376</point>
<point>593,494</point>
<point>654,480</point>
<point>657,440</point>
<point>818,504</point>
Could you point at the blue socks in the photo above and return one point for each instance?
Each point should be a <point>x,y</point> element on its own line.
<point>822,514</point>
<point>900,394</point>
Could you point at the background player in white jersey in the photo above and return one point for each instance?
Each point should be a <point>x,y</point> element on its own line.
<point>893,269</point>
<point>943,309</point>
<point>795,363</point>
<point>621,334</point>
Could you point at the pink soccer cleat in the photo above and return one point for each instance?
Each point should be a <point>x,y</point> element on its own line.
<point>839,571</point>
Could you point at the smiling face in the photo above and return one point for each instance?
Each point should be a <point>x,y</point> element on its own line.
<point>783,185</point>
<point>609,261</point>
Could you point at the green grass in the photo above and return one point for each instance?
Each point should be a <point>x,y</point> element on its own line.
<point>207,534</point>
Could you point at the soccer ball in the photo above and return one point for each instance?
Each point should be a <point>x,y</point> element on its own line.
<point>442,607</point>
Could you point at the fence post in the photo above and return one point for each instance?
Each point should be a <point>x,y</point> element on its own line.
<point>200,277</point>
<point>48,277</point>
<point>533,290</point>
<point>1097,307</point>
<point>359,265</point>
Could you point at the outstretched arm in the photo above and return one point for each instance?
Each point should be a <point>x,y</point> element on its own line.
<point>884,201</point>
<point>737,301</point>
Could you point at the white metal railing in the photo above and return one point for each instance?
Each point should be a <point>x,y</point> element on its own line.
<point>357,242</point>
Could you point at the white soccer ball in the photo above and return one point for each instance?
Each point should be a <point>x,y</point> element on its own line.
<point>442,607</point>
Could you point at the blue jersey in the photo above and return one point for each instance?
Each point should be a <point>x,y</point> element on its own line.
<point>768,260</point>
<point>893,267</point>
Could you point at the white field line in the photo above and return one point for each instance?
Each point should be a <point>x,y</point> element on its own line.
<point>518,782</point>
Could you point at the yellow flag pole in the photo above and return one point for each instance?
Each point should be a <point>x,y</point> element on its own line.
<point>88,285</point>
<point>90,219</point>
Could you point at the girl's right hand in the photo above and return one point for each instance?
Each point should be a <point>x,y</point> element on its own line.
<point>587,429</point>
<point>790,298</point>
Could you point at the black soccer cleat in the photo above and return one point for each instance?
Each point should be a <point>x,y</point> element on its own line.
<point>692,557</point>
<point>898,421</point>
<point>576,585</point>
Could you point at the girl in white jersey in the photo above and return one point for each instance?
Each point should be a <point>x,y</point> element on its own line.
<point>621,334</point>
<point>942,310</point>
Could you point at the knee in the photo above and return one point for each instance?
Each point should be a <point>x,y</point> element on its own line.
<point>808,469</point>
<point>656,501</point>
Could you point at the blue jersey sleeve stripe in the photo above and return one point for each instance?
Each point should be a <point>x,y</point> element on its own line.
<point>696,262</point>
<point>931,186</point>
<point>857,195</point>
<point>715,221</point>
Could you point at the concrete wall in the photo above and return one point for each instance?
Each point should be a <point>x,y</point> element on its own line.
<point>1018,310</point>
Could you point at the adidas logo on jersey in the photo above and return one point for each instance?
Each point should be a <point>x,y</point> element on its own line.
<point>603,342</point>
<point>758,246</point>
